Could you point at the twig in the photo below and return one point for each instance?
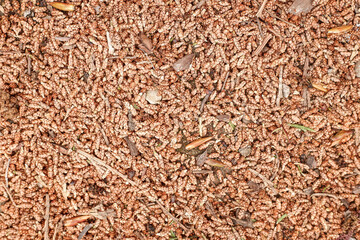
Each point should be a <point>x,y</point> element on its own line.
<point>97,161</point>
<point>324,195</point>
<point>265,180</point>
<point>279,96</point>
<point>263,44</point>
<point>55,232</point>
<point>175,219</point>
<point>226,78</point>
<point>201,171</point>
<point>259,25</point>
<point>47,217</point>
<point>8,193</point>
<point>6,172</point>
<point>261,9</point>
<point>28,65</point>
<point>85,230</point>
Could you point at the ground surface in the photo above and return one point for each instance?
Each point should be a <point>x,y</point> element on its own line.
<point>79,136</point>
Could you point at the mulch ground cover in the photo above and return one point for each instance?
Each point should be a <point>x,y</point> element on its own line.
<point>180,119</point>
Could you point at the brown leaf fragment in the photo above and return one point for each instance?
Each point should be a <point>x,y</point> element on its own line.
<point>341,29</point>
<point>197,142</point>
<point>223,118</point>
<point>253,185</point>
<point>311,162</point>
<point>75,220</point>
<point>201,159</point>
<point>356,189</point>
<point>244,223</point>
<point>131,124</point>
<point>183,63</point>
<point>146,44</point>
<point>206,98</point>
<point>341,137</point>
<point>68,7</point>
<point>245,151</point>
<point>133,149</point>
<point>300,6</point>
<point>214,163</point>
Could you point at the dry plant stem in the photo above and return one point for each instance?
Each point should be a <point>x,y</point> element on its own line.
<point>265,180</point>
<point>324,195</point>
<point>206,98</point>
<point>104,135</point>
<point>55,231</point>
<point>259,26</point>
<point>47,217</point>
<point>263,44</point>
<point>97,161</point>
<point>7,172</point>
<point>8,193</point>
<point>171,216</point>
<point>226,78</point>
<point>202,171</point>
<point>279,96</point>
<point>261,9</point>
<point>85,230</point>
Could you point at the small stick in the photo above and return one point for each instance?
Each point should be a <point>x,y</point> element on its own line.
<point>279,96</point>
<point>101,163</point>
<point>263,44</point>
<point>324,195</point>
<point>6,172</point>
<point>259,25</point>
<point>261,9</point>
<point>47,217</point>
<point>28,65</point>
<point>8,193</point>
<point>226,78</point>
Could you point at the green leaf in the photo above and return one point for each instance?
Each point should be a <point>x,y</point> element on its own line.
<point>301,127</point>
<point>172,236</point>
<point>136,106</point>
<point>232,125</point>
<point>281,218</point>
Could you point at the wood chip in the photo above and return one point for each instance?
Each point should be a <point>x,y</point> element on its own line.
<point>131,123</point>
<point>146,44</point>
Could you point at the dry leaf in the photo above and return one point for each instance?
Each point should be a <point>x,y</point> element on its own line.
<point>300,6</point>
<point>214,163</point>
<point>356,189</point>
<point>153,96</point>
<point>183,63</point>
<point>200,160</point>
<point>245,151</point>
<point>146,44</point>
<point>76,220</point>
<point>341,29</point>
<point>311,162</point>
<point>253,185</point>
<point>244,223</point>
<point>285,91</point>
<point>133,149</point>
<point>197,143</point>
<point>68,7</point>
<point>223,118</point>
<point>341,137</point>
